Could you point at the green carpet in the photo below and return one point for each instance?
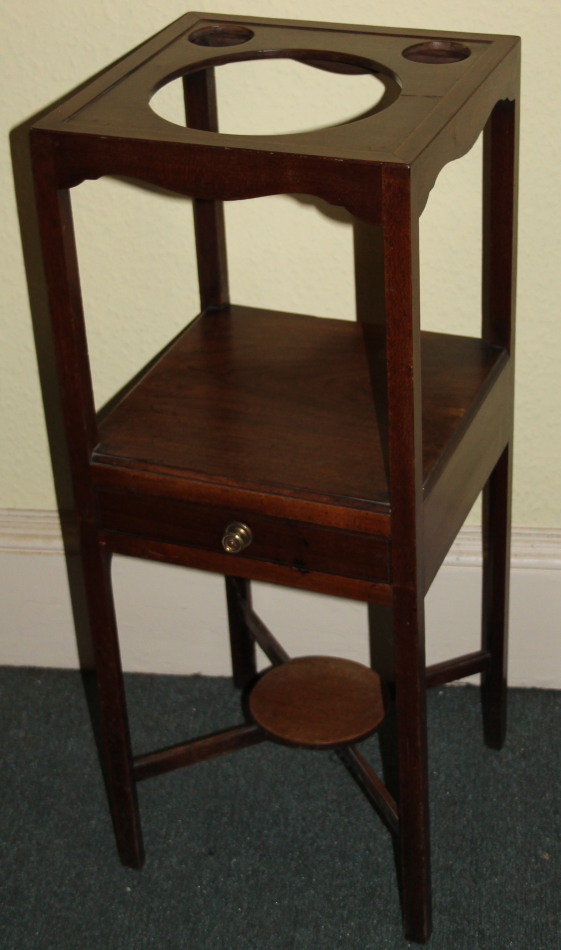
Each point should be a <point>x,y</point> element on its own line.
<point>269,849</point>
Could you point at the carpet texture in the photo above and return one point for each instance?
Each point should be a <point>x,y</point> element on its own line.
<point>269,848</point>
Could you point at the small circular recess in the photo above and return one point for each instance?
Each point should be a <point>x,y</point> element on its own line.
<point>218,35</point>
<point>437,52</point>
<point>318,702</point>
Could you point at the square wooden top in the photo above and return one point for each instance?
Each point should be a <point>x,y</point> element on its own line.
<point>440,89</point>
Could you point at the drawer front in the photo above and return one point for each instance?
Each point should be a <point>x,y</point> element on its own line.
<point>298,545</point>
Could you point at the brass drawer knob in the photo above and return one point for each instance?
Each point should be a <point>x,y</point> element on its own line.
<point>237,536</point>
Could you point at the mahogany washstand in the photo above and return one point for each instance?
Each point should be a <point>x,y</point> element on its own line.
<point>333,456</point>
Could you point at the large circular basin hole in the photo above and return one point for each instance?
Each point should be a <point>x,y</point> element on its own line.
<point>279,96</point>
<point>228,35</point>
<point>437,52</point>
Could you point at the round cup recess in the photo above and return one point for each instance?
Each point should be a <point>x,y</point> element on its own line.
<point>227,35</point>
<point>437,52</point>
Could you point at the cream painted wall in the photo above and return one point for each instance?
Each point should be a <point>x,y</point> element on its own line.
<point>137,264</point>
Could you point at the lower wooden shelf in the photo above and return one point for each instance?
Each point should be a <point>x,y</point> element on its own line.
<point>318,702</point>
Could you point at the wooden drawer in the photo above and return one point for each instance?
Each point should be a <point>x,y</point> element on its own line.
<point>298,545</point>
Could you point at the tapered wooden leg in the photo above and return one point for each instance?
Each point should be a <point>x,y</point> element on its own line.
<point>242,644</point>
<point>499,274</point>
<point>117,753</point>
<point>381,633</point>
<point>405,466</point>
<point>69,335</point>
<point>496,568</point>
<point>210,232</point>
<point>382,660</point>
<point>410,705</point>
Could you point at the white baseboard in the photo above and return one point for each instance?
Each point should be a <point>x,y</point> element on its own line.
<point>174,620</point>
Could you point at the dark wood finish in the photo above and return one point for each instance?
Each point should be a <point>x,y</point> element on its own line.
<point>320,583</point>
<point>456,485</point>
<point>302,547</point>
<point>352,451</point>
<point>377,792</point>
<point>201,110</point>
<point>234,377</point>
<point>63,286</point>
<point>242,645</point>
<point>197,750</point>
<point>499,275</point>
<point>456,669</point>
<point>496,564</point>
<point>263,636</point>
<point>436,118</point>
<point>210,234</point>
<point>401,262</point>
<point>119,773</point>
<point>318,702</point>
